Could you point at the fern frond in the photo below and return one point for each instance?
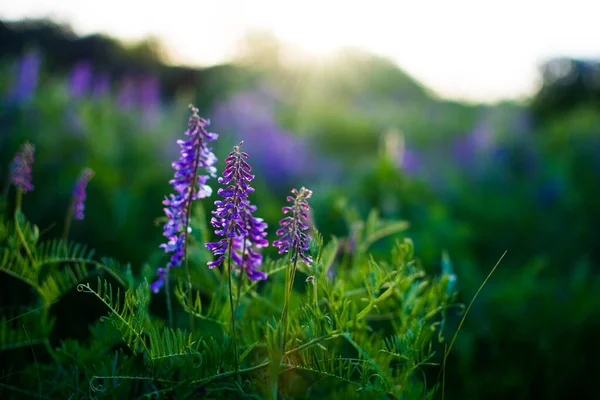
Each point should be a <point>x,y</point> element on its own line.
<point>196,308</point>
<point>28,232</point>
<point>57,284</point>
<point>130,317</point>
<point>15,265</point>
<point>344,370</point>
<point>121,273</point>
<point>168,342</point>
<point>60,251</point>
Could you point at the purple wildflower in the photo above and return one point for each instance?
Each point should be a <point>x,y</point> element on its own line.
<point>157,284</point>
<point>189,185</point>
<point>291,234</point>
<point>101,85</point>
<point>126,97</point>
<point>234,220</point>
<point>28,72</point>
<point>149,94</point>
<point>79,192</point>
<point>411,162</point>
<point>80,79</point>
<point>21,168</point>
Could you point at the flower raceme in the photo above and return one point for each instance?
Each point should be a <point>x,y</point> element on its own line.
<point>79,192</point>
<point>234,220</point>
<point>192,171</point>
<point>291,234</point>
<point>21,168</point>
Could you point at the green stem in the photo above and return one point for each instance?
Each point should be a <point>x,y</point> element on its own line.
<point>186,233</point>
<point>288,294</point>
<point>168,297</point>
<point>240,279</point>
<point>203,382</point>
<point>239,289</point>
<point>231,303</point>
<point>18,227</point>
<point>18,199</point>
<point>315,297</point>
<point>329,336</point>
<point>189,278</point>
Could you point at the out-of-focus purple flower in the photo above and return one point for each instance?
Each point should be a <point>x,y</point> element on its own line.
<point>28,71</point>
<point>234,221</point>
<point>292,238</point>
<point>126,97</point>
<point>410,162</point>
<point>251,116</point>
<point>467,149</point>
<point>21,168</point>
<point>80,79</point>
<point>101,85</point>
<point>79,193</point>
<point>149,94</point>
<point>189,184</point>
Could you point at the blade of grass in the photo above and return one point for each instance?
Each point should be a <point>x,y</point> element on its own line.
<point>449,348</point>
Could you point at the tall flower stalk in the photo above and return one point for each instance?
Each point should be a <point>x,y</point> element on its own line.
<point>294,241</point>
<point>242,233</point>
<point>20,176</point>
<point>77,205</point>
<point>192,171</point>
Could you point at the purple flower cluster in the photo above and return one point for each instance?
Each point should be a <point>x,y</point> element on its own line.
<point>26,80</point>
<point>234,221</point>
<point>291,234</point>
<point>80,79</point>
<point>21,168</point>
<point>142,93</point>
<point>189,184</point>
<point>79,192</point>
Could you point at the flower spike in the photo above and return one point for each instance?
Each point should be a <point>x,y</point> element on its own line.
<point>192,171</point>
<point>21,168</point>
<point>79,192</point>
<point>292,237</point>
<point>233,219</point>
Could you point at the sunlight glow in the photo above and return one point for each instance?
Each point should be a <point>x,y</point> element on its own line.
<point>467,49</point>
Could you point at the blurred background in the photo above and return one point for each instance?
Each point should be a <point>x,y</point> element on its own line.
<point>476,122</point>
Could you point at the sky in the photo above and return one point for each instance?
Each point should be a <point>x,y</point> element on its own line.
<point>474,50</point>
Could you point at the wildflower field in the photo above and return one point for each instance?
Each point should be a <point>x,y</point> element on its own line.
<point>328,231</point>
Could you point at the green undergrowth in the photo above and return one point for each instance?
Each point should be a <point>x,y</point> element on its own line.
<point>359,325</point>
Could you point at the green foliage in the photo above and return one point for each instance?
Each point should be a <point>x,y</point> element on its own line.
<point>360,326</point>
